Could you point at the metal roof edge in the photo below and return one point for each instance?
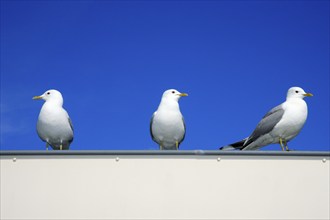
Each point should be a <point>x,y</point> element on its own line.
<point>161,153</point>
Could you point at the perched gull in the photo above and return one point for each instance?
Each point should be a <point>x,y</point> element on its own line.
<point>54,124</point>
<point>167,127</point>
<point>279,125</point>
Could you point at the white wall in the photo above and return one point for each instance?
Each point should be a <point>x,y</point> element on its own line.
<point>164,187</point>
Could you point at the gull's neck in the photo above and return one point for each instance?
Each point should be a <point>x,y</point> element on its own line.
<point>169,104</point>
<point>294,99</point>
<point>54,102</point>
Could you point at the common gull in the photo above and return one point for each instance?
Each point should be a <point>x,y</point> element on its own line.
<point>54,125</point>
<point>167,126</point>
<point>280,125</point>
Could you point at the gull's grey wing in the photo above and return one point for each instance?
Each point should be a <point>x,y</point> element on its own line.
<point>69,119</point>
<point>267,124</point>
<point>71,125</point>
<point>70,122</point>
<point>184,134</point>
<point>151,122</point>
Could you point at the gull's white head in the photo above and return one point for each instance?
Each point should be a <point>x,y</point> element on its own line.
<point>51,95</point>
<point>173,94</point>
<point>297,92</point>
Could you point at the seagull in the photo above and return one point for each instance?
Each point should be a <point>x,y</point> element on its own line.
<point>280,125</point>
<point>54,125</point>
<point>167,126</point>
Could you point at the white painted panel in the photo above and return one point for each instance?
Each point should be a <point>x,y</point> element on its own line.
<point>164,187</point>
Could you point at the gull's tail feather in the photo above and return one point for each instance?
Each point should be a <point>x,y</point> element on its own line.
<point>235,146</point>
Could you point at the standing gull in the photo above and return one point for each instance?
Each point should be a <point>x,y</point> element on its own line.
<point>167,127</point>
<point>54,125</point>
<point>280,125</point>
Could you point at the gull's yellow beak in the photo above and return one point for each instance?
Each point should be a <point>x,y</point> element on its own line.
<point>183,94</point>
<point>36,97</point>
<point>308,94</point>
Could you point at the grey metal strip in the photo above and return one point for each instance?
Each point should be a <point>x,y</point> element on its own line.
<point>161,153</point>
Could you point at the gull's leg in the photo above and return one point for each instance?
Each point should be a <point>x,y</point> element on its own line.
<point>61,146</point>
<point>46,145</point>
<point>286,145</point>
<point>176,145</point>
<point>161,146</point>
<point>281,143</point>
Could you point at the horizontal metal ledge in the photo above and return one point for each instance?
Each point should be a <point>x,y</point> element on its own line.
<point>162,153</point>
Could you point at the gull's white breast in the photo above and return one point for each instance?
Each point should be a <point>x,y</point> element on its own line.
<point>294,118</point>
<point>168,127</point>
<point>53,125</point>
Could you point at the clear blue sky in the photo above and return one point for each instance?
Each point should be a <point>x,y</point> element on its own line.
<point>112,60</point>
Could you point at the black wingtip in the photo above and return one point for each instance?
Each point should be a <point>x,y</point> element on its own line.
<point>235,146</point>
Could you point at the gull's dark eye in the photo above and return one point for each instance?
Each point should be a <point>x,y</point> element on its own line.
<point>48,93</point>
<point>173,92</point>
<point>297,91</point>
